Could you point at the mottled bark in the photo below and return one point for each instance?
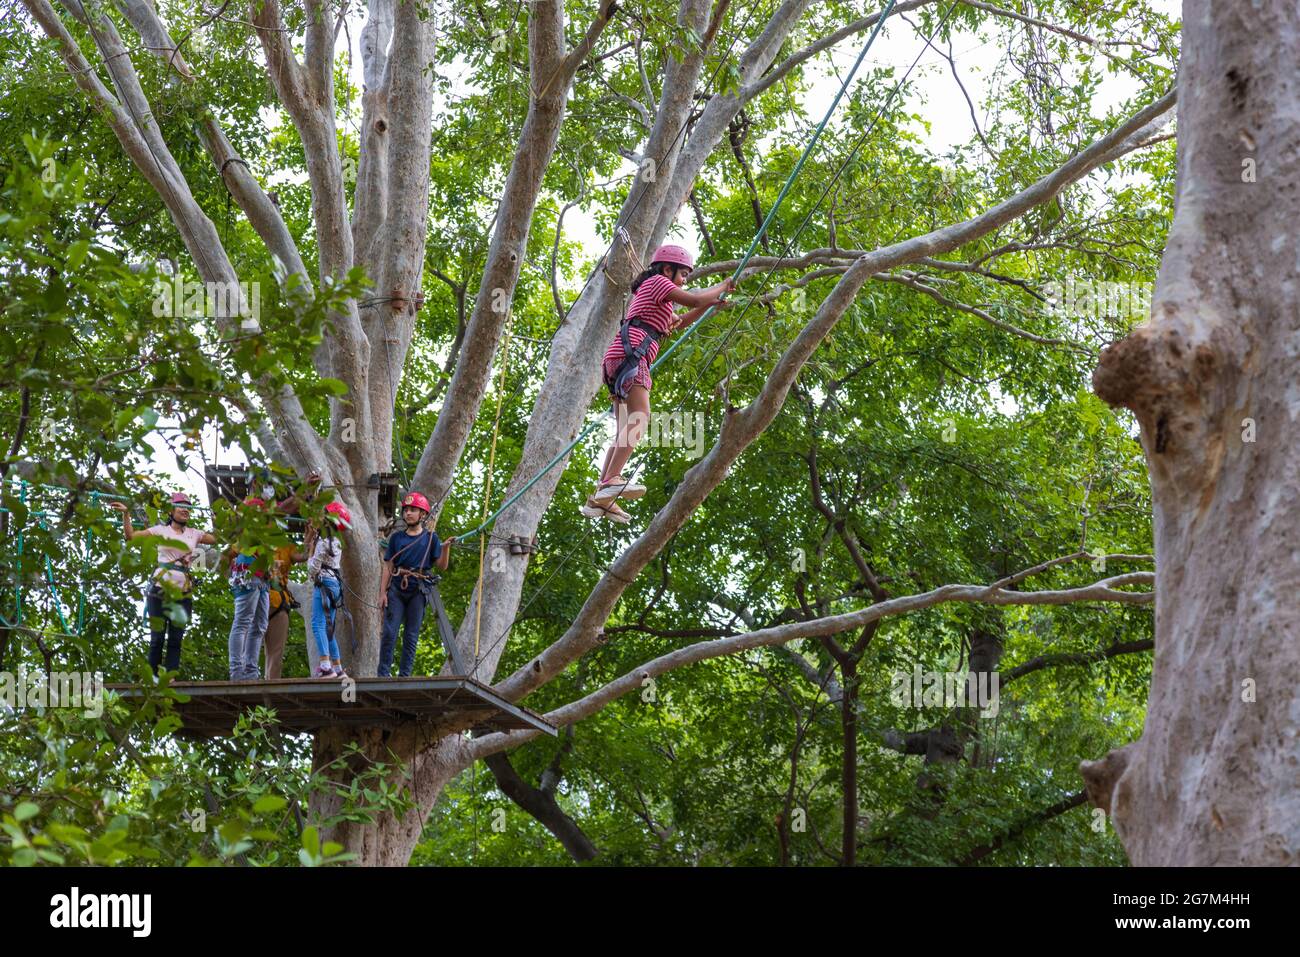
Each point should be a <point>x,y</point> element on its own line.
<point>1211,378</point>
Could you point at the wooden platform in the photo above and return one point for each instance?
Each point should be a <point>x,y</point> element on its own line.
<point>306,704</point>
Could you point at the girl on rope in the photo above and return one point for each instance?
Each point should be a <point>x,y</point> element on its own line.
<point>627,363</point>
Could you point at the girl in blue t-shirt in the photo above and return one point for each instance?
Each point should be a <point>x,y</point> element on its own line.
<point>406,583</point>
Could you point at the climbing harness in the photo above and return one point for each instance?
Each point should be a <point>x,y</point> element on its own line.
<point>187,587</point>
<point>621,382</point>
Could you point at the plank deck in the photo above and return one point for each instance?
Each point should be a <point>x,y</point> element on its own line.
<point>309,704</point>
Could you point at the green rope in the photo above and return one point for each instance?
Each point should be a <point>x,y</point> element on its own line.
<point>18,591</point>
<point>54,592</point>
<point>749,253</point>
<point>85,557</point>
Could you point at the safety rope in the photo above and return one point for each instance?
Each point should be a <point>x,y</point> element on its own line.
<point>487,491</point>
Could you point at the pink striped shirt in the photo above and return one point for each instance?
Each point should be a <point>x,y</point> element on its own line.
<point>653,307</point>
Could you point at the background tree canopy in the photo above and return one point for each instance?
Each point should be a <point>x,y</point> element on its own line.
<point>942,433</point>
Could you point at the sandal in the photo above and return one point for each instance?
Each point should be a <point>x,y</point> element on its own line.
<point>611,511</point>
<point>627,488</point>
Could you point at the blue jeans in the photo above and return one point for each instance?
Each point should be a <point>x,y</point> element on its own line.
<point>404,608</point>
<point>322,630</point>
<point>252,604</point>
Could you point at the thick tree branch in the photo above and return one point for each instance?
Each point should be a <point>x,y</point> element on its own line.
<point>777,73</point>
<point>542,806</point>
<point>977,854</point>
<point>1081,658</point>
<point>1108,589</point>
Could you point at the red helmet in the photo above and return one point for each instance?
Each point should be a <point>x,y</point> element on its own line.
<point>180,498</point>
<point>416,500</point>
<point>677,255</point>
<point>342,517</point>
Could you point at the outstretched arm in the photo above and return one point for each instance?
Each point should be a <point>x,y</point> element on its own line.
<point>702,299</point>
<point>128,532</point>
<point>710,297</point>
<point>444,557</point>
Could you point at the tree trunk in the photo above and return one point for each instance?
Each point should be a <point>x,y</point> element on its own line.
<point>849,768</point>
<point>390,840</point>
<point>1211,378</point>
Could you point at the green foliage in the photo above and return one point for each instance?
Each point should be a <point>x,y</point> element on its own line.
<point>948,448</point>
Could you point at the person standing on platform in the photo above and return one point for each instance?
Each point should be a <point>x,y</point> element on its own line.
<point>326,550</point>
<point>406,585</point>
<point>251,592</point>
<point>169,602</point>
<point>281,603</point>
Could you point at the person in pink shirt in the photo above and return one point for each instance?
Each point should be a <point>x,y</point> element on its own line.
<point>627,362</point>
<point>168,601</point>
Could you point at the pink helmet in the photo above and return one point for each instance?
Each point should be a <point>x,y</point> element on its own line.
<point>180,498</point>
<point>416,500</point>
<point>342,517</point>
<point>677,255</point>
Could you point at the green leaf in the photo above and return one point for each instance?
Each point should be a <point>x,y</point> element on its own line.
<point>77,254</point>
<point>269,803</point>
<point>26,811</point>
<point>311,841</point>
<point>334,386</point>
